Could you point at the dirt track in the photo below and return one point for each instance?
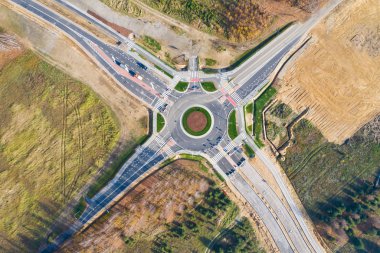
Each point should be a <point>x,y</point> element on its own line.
<point>337,75</point>
<point>197,121</point>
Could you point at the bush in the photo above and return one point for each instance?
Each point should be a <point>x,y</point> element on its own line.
<point>151,43</point>
<point>210,62</point>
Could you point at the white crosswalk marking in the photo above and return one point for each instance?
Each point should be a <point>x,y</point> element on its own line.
<point>217,157</point>
<point>236,97</point>
<point>169,152</point>
<point>159,104</point>
<point>229,147</point>
<point>160,141</point>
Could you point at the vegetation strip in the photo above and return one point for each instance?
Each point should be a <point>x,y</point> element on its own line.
<point>163,71</point>
<point>248,109</point>
<point>248,150</point>
<point>160,122</point>
<point>259,105</point>
<point>232,129</point>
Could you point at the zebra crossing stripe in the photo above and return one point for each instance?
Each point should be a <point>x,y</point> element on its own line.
<point>169,152</point>
<point>236,97</point>
<point>217,157</point>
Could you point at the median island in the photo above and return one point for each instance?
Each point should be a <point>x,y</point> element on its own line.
<point>196,121</point>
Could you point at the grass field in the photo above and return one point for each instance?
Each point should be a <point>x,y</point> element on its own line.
<point>181,86</point>
<point>55,133</point>
<point>322,172</point>
<point>160,122</point>
<point>259,105</point>
<point>208,86</point>
<point>232,129</point>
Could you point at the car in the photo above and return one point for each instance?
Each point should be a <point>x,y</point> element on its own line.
<point>142,65</point>
<point>139,77</point>
<point>132,73</point>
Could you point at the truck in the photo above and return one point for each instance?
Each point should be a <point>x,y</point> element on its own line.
<point>142,65</point>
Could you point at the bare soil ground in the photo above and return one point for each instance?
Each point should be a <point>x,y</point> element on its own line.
<point>337,76</point>
<point>10,48</point>
<point>196,121</point>
<point>188,39</point>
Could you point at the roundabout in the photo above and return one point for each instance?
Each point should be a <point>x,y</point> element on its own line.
<point>197,121</point>
<point>197,126</point>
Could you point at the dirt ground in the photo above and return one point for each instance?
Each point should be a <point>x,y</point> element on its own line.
<point>57,49</point>
<point>10,48</point>
<point>337,76</point>
<point>197,121</point>
<point>189,40</point>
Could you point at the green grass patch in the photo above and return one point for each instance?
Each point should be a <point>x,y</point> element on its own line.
<point>151,43</point>
<point>181,86</point>
<point>210,62</point>
<point>160,122</point>
<point>186,126</point>
<point>249,108</point>
<point>79,208</point>
<point>259,104</point>
<point>163,71</point>
<point>208,86</point>
<point>232,128</point>
<point>248,151</point>
<point>111,171</point>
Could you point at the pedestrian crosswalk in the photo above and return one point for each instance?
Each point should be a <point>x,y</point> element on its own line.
<point>223,76</point>
<point>236,97</point>
<point>229,147</point>
<point>169,152</point>
<point>160,104</point>
<point>217,157</point>
<point>160,141</point>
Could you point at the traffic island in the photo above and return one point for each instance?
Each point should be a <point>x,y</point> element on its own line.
<point>197,121</point>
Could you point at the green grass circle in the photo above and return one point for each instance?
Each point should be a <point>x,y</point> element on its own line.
<point>186,126</point>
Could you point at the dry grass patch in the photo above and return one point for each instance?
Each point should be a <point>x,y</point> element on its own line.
<point>55,133</point>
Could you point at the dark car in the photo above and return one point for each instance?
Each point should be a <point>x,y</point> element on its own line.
<point>132,73</point>
<point>142,66</point>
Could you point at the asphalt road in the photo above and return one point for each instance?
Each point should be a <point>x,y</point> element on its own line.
<point>287,228</point>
